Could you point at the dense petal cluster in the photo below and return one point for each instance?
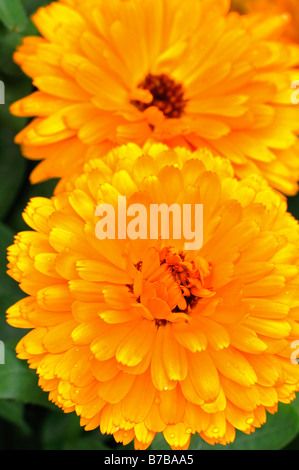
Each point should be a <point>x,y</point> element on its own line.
<point>140,336</point>
<point>272,7</point>
<point>183,73</point>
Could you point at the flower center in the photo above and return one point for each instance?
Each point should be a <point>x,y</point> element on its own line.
<point>168,95</point>
<point>187,276</point>
<point>171,283</point>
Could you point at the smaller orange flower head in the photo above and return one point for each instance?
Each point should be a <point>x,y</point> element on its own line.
<point>272,7</point>
<point>183,73</point>
<point>140,335</point>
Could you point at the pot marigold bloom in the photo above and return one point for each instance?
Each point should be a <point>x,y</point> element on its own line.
<point>140,336</point>
<point>186,74</point>
<point>272,7</point>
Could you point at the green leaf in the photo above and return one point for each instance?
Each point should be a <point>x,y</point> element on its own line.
<point>293,206</point>
<point>12,171</point>
<point>159,443</point>
<point>63,432</point>
<point>295,403</point>
<point>18,382</point>
<point>6,239</point>
<point>9,289</point>
<point>279,430</point>
<point>9,40</point>
<point>13,412</point>
<point>13,15</point>
<point>32,5</point>
<point>13,92</point>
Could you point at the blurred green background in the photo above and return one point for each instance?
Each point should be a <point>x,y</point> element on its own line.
<point>27,420</point>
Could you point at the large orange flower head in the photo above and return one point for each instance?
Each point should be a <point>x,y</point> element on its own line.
<point>183,73</point>
<point>140,335</point>
<point>270,7</point>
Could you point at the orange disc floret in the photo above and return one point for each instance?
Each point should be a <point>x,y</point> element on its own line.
<point>182,73</point>
<point>141,336</point>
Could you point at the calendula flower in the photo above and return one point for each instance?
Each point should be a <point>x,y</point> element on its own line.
<point>272,7</point>
<point>186,74</point>
<point>140,335</point>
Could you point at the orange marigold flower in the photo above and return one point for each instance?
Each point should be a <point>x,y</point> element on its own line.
<point>141,336</point>
<point>270,7</point>
<point>182,73</point>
